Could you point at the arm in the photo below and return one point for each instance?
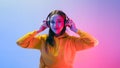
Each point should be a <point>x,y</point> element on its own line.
<point>84,41</point>
<point>30,40</point>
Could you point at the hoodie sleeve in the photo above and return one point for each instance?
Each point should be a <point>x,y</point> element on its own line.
<point>84,41</point>
<point>30,40</point>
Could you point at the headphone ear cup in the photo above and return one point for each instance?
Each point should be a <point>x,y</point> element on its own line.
<point>48,23</point>
<point>66,21</point>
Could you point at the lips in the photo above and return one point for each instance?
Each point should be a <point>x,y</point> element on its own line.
<point>56,28</point>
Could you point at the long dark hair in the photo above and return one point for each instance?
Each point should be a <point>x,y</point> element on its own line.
<point>50,39</point>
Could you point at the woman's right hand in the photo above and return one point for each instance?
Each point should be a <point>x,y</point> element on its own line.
<point>43,26</point>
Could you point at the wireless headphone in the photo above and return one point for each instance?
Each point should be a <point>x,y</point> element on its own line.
<point>48,18</point>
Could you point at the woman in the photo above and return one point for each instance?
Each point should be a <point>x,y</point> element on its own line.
<point>57,49</point>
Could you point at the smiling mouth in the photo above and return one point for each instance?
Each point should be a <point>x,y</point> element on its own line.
<point>56,28</point>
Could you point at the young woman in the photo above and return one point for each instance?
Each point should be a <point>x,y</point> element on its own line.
<point>57,48</point>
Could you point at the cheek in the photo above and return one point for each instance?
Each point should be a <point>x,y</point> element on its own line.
<point>51,25</point>
<point>62,25</point>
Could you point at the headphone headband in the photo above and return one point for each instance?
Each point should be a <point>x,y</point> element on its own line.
<point>56,12</point>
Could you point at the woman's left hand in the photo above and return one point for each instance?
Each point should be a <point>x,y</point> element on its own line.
<point>71,25</point>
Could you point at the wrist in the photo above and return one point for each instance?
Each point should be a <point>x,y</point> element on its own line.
<point>38,31</point>
<point>34,33</point>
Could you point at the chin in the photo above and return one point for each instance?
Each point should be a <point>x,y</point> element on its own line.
<point>57,33</point>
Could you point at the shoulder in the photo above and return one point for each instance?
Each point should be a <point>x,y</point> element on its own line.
<point>72,37</point>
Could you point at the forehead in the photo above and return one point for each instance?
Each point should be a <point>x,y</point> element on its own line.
<point>57,17</point>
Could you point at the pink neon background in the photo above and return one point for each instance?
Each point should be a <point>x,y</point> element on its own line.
<point>101,18</point>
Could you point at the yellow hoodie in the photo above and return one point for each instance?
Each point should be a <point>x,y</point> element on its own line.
<point>62,54</point>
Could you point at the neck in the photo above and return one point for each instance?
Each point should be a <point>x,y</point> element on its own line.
<point>56,35</point>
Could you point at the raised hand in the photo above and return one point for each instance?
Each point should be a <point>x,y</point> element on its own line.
<point>43,26</point>
<point>71,25</point>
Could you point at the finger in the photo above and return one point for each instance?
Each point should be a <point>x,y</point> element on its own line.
<point>67,24</point>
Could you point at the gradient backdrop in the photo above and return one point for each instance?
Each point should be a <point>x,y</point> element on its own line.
<point>101,18</point>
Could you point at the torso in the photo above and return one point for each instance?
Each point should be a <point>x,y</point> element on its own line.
<point>61,55</point>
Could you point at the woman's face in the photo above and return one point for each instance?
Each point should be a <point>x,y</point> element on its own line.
<point>56,23</point>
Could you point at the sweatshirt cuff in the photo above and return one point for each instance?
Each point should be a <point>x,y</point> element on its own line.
<point>34,33</point>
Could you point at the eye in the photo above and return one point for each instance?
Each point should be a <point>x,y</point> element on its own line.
<point>59,21</point>
<point>52,22</point>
